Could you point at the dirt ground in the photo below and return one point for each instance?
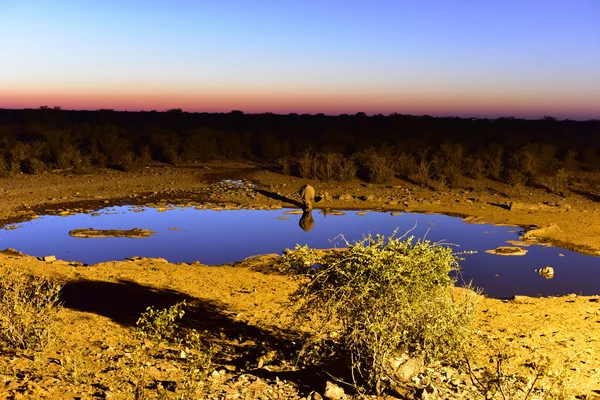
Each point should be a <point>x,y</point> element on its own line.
<point>238,305</point>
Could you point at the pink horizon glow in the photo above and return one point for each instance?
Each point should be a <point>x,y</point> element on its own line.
<point>301,103</point>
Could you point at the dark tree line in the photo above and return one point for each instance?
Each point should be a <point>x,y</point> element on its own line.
<point>317,146</point>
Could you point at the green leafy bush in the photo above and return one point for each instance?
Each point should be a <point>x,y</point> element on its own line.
<point>29,308</point>
<point>160,325</point>
<point>195,356</point>
<point>378,301</point>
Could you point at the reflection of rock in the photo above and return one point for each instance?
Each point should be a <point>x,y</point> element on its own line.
<point>307,221</point>
<point>517,243</point>
<point>474,220</point>
<point>99,233</point>
<point>336,213</point>
<point>507,251</point>
<point>546,272</point>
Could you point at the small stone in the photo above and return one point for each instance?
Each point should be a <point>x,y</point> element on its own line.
<point>333,391</point>
<point>315,396</point>
<point>523,299</point>
<point>546,272</point>
<point>49,258</point>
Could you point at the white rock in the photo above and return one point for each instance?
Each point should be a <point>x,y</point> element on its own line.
<point>333,391</point>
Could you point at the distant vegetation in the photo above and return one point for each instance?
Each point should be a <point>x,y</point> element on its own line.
<point>439,152</point>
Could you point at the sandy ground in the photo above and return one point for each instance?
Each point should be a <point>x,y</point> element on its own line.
<point>237,305</point>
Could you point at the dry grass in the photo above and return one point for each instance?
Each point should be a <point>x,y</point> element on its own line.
<point>29,308</point>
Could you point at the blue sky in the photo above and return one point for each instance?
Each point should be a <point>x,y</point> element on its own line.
<point>525,58</point>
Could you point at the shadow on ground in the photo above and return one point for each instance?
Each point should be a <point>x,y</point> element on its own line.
<point>587,194</point>
<point>242,345</point>
<point>279,197</point>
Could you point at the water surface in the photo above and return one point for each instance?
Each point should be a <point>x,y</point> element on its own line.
<point>217,237</point>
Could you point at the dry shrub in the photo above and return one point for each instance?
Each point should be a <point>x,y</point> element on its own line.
<point>424,167</point>
<point>559,181</point>
<point>307,165</point>
<point>406,165</point>
<point>492,158</point>
<point>346,169</point>
<point>29,308</point>
<point>335,167</point>
<point>474,167</point>
<point>327,165</point>
<point>505,376</point>
<point>33,166</point>
<point>377,301</point>
<point>380,167</point>
<point>283,165</point>
<point>448,163</point>
<point>517,180</point>
<point>8,167</point>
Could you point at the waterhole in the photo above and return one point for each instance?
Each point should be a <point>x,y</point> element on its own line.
<point>216,237</point>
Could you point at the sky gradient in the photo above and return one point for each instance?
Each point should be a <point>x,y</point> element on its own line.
<point>469,58</point>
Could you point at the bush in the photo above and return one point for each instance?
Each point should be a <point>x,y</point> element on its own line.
<point>159,325</point>
<point>447,163</point>
<point>327,165</point>
<point>283,165</point>
<point>8,168</point>
<point>29,308</point>
<point>406,165</point>
<point>493,161</point>
<point>380,168</point>
<point>379,301</point>
<point>559,181</point>
<point>196,357</point>
<point>517,180</point>
<point>307,165</point>
<point>506,377</point>
<point>334,166</point>
<point>474,167</point>
<point>33,166</point>
<point>346,169</point>
<point>424,167</point>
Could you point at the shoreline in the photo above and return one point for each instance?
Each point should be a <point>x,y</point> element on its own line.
<point>579,224</point>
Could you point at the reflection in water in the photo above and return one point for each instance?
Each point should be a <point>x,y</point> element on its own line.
<point>307,221</point>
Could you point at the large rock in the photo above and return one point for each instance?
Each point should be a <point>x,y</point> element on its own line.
<point>507,251</point>
<point>403,367</point>
<point>541,233</point>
